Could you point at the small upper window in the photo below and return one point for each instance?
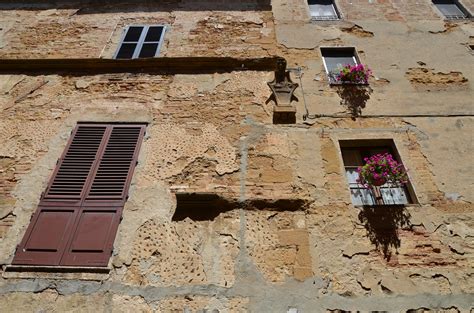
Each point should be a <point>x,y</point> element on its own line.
<point>141,42</point>
<point>451,9</point>
<point>353,154</point>
<point>323,10</point>
<point>336,58</point>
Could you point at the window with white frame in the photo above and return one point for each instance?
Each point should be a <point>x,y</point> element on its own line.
<point>451,9</point>
<point>323,10</point>
<point>353,154</point>
<point>335,58</point>
<point>141,41</point>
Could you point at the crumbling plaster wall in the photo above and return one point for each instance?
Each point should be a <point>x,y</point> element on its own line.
<point>246,256</point>
<point>214,133</point>
<point>85,33</point>
<point>407,57</point>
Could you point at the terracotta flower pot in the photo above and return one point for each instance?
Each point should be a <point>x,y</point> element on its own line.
<point>378,182</point>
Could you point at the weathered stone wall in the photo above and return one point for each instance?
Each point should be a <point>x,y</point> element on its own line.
<point>290,237</point>
<point>94,31</point>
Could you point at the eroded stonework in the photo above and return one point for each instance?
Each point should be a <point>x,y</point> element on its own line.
<point>288,236</point>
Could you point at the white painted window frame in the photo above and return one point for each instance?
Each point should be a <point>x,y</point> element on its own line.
<point>141,40</point>
<point>355,57</point>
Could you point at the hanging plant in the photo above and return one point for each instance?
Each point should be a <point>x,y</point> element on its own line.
<point>380,169</point>
<point>358,74</point>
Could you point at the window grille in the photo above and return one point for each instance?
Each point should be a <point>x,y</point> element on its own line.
<point>451,9</point>
<point>323,10</point>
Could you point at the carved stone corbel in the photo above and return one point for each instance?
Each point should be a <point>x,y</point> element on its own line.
<point>282,94</point>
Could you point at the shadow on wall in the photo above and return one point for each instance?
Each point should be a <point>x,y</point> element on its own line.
<point>382,223</point>
<point>354,97</point>
<point>91,7</point>
<point>208,206</point>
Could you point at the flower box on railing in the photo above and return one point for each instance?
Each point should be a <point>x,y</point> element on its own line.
<point>380,169</point>
<point>351,75</point>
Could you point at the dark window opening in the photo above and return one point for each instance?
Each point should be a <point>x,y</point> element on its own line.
<point>353,154</point>
<point>154,33</point>
<point>141,42</point>
<point>451,9</point>
<point>126,51</point>
<point>323,10</point>
<point>133,33</point>
<point>148,50</point>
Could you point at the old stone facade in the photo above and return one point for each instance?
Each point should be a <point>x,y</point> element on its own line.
<point>283,234</point>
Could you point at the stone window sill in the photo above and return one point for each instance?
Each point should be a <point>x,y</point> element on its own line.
<point>56,272</point>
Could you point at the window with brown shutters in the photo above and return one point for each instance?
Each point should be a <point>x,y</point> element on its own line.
<point>79,213</point>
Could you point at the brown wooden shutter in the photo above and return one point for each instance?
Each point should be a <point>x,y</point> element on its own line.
<point>45,239</point>
<point>78,216</point>
<point>76,164</point>
<point>115,169</point>
<point>94,235</point>
<point>97,223</point>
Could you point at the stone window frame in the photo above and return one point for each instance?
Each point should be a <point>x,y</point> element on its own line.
<point>321,18</point>
<point>355,56</point>
<point>141,40</point>
<point>377,143</point>
<point>459,5</point>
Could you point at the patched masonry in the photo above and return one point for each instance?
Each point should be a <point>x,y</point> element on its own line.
<point>229,209</point>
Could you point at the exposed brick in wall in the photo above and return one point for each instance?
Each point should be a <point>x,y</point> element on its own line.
<point>189,33</point>
<point>288,236</point>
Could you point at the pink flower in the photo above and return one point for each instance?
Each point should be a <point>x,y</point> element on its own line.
<point>381,166</point>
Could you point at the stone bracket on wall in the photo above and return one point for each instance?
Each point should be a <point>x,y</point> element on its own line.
<point>282,94</point>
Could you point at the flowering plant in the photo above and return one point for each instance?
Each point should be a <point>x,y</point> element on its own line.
<point>380,169</point>
<point>358,74</point>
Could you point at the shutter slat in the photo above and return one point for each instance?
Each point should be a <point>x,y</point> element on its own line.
<point>75,166</point>
<point>116,165</point>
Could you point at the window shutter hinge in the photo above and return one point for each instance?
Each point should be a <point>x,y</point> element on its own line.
<point>16,248</point>
<point>136,162</point>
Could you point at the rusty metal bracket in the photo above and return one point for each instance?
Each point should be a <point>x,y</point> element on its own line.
<point>282,94</point>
